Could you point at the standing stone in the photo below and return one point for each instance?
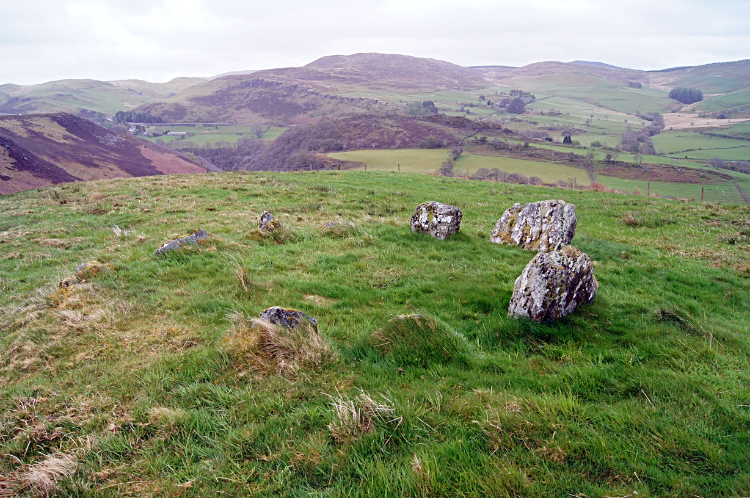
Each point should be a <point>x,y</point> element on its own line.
<point>267,222</point>
<point>541,226</point>
<point>553,284</point>
<point>437,219</point>
<point>177,243</point>
<point>286,317</point>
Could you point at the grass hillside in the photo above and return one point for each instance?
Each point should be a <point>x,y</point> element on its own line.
<point>148,378</point>
<point>74,96</point>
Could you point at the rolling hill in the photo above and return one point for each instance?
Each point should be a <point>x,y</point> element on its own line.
<point>47,149</point>
<point>74,96</point>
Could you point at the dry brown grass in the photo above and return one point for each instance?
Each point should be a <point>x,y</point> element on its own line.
<point>39,479</point>
<point>356,417</point>
<point>267,348</point>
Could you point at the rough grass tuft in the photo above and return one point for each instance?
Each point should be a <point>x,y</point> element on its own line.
<point>353,418</point>
<point>419,340</point>
<point>267,348</point>
<point>39,479</point>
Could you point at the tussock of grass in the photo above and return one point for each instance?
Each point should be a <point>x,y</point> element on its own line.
<point>39,479</point>
<point>267,348</point>
<point>353,418</point>
<point>419,340</point>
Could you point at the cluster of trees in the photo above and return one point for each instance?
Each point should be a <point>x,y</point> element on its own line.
<point>136,117</point>
<point>527,97</point>
<point>739,166</point>
<point>496,175</point>
<point>637,142</point>
<point>686,95</point>
<point>431,142</point>
<point>421,109</point>
<point>635,84</point>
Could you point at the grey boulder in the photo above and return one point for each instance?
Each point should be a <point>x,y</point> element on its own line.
<point>286,317</point>
<point>437,219</point>
<point>267,222</point>
<point>542,226</point>
<point>553,284</point>
<point>177,243</point>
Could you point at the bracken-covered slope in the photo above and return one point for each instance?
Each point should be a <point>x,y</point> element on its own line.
<point>46,149</point>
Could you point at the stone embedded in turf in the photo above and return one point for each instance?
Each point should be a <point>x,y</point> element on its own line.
<point>267,222</point>
<point>437,219</point>
<point>86,271</point>
<point>286,317</point>
<point>542,226</point>
<point>553,284</point>
<point>177,243</point>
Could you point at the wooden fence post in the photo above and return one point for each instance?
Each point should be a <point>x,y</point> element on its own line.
<point>648,190</point>
<point>399,168</point>
<point>702,194</point>
<point>310,167</point>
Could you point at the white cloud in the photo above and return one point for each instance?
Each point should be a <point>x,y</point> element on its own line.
<point>42,40</point>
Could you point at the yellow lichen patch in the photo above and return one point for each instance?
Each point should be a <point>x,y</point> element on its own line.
<point>91,269</point>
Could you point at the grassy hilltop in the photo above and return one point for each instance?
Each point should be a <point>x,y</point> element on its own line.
<point>132,383</point>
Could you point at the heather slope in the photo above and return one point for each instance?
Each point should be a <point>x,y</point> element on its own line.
<point>46,149</point>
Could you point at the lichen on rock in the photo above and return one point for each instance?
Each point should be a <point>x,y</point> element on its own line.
<point>192,238</point>
<point>437,219</point>
<point>287,317</point>
<point>86,271</point>
<point>553,284</point>
<point>267,222</point>
<point>542,226</point>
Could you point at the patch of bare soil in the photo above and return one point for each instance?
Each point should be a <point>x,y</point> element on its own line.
<point>662,173</point>
<point>685,121</point>
<point>169,163</point>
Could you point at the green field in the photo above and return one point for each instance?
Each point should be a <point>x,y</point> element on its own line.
<point>210,135</point>
<point>148,379</point>
<point>672,142</point>
<point>596,92</point>
<point>426,160</point>
<point>725,193</point>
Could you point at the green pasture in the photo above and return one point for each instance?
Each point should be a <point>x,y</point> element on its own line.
<point>726,192</point>
<point>136,381</point>
<point>411,160</point>
<point>596,92</point>
<point>426,160</point>
<point>672,142</point>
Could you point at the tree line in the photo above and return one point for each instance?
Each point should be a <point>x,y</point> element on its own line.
<point>686,95</point>
<point>125,117</point>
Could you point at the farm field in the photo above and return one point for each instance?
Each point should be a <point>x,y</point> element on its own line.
<point>426,160</point>
<point>725,193</point>
<point>141,370</point>
<point>596,92</point>
<point>203,135</point>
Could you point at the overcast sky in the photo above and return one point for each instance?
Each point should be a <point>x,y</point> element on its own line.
<point>156,40</point>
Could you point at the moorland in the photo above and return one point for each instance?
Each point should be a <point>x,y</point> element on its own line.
<point>144,380</point>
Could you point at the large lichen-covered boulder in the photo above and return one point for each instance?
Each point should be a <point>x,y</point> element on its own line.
<point>553,284</point>
<point>191,238</point>
<point>286,317</point>
<point>267,222</point>
<point>542,226</point>
<point>437,219</point>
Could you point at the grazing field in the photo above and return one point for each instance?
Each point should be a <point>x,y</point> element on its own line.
<point>220,134</point>
<point>597,92</point>
<point>138,382</point>
<point>427,160</point>
<point>705,146</point>
<point>725,193</point>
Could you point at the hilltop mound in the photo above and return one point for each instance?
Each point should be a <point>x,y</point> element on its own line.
<point>46,149</point>
<point>378,71</point>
